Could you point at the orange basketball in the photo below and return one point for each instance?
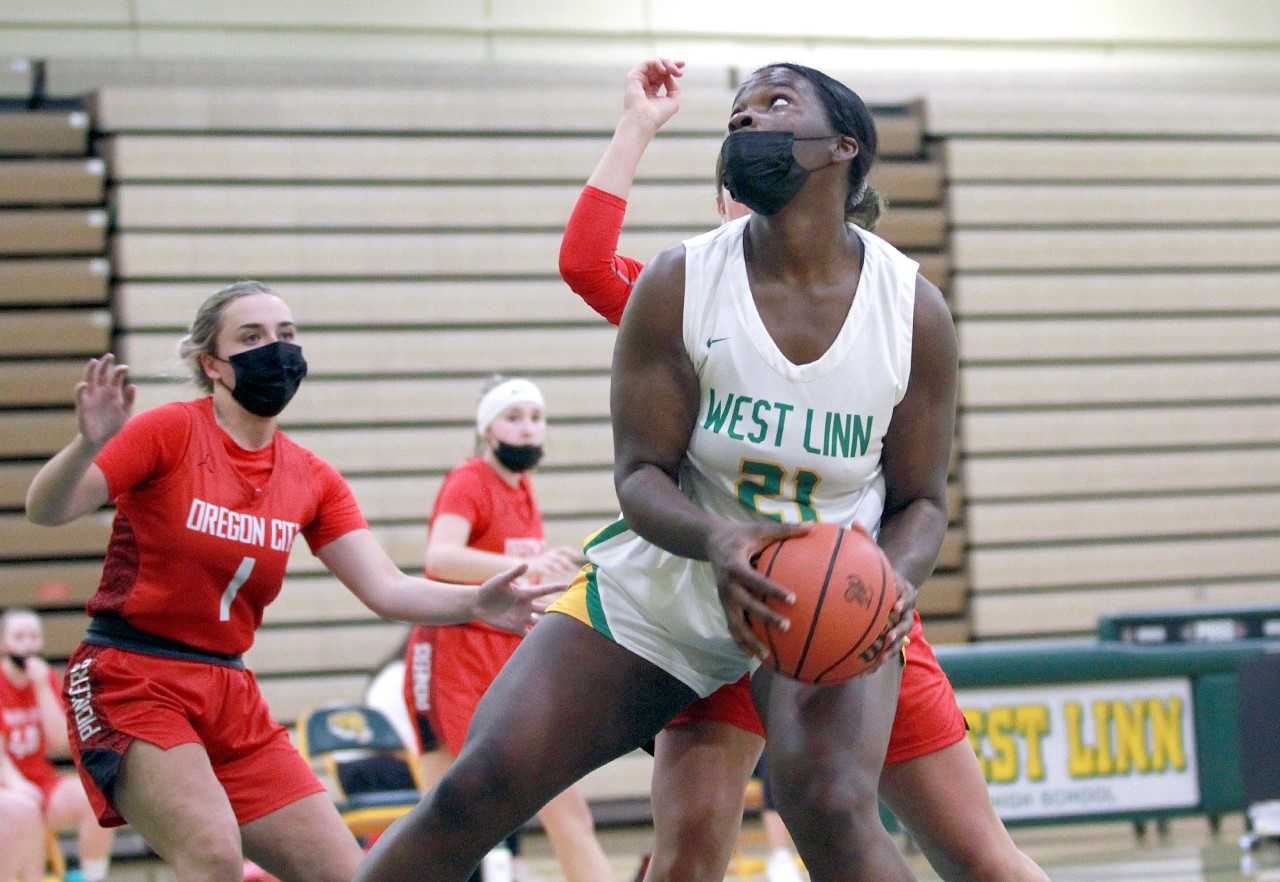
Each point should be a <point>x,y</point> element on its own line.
<point>845,592</point>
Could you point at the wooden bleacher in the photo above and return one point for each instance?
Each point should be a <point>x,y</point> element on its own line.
<point>1116,289</point>
<point>46,281</point>
<point>53,315</point>
<point>44,133</point>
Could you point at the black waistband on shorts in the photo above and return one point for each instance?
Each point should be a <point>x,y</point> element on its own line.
<point>116,633</point>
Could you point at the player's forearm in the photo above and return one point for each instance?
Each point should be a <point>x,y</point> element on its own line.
<point>462,564</point>
<point>616,170</point>
<point>425,601</point>
<point>912,537</point>
<point>656,510</point>
<point>51,497</point>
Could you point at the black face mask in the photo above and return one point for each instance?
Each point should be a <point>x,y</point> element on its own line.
<point>267,377</point>
<point>760,170</point>
<point>518,457</point>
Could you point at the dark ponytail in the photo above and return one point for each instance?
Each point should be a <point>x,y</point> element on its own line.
<point>865,208</point>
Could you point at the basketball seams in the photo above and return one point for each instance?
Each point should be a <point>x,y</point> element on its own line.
<point>879,605</point>
<point>817,609</point>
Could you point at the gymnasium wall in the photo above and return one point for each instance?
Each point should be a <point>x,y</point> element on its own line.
<point>1082,36</point>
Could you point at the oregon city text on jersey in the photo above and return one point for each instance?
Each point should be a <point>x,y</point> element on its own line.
<point>223,523</point>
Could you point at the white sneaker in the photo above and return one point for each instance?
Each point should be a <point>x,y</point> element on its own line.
<point>781,867</point>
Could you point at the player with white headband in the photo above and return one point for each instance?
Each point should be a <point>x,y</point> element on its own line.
<point>485,520</point>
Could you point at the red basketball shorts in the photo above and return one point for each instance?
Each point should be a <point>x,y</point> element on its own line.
<point>114,697</point>
<point>448,669</point>
<point>927,720</point>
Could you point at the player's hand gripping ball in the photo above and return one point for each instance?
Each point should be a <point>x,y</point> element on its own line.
<point>845,593</point>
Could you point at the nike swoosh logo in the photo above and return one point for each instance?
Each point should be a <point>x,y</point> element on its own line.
<point>713,340</point>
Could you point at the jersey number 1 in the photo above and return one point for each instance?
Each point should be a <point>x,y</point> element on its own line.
<point>237,581</point>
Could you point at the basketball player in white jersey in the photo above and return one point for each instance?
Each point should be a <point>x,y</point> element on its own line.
<point>786,366</point>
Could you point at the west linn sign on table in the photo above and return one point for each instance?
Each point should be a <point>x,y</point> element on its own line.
<point>1086,749</point>
<point>1075,730</point>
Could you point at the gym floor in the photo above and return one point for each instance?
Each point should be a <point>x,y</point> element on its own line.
<point>1082,853</point>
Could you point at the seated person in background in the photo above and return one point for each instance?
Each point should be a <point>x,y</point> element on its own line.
<point>33,724</point>
<point>21,825</point>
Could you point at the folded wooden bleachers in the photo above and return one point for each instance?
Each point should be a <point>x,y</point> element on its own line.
<point>1118,294</point>
<point>53,316</point>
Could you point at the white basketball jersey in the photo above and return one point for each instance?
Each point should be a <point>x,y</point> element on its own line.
<point>772,440</point>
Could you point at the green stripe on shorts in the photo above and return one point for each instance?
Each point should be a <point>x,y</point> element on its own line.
<point>595,609</point>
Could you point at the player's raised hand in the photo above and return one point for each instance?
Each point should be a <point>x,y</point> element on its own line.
<point>652,94</point>
<point>506,604</point>
<point>104,399</point>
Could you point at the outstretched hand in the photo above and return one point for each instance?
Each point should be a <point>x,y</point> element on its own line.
<point>104,399</point>
<point>652,94</point>
<point>509,606</point>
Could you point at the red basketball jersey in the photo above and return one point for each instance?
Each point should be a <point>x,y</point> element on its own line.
<point>203,527</point>
<point>23,732</point>
<point>504,519</point>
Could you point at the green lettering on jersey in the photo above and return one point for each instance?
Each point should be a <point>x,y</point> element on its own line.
<point>861,434</point>
<point>841,430</point>
<point>783,409</point>
<point>737,418</point>
<point>761,425</point>
<point>716,415</point>
<point>808,432</point>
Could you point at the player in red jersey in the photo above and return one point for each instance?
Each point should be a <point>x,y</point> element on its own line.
<point>485,520</point>
<point>168,729</point>
<point>707,751</point>
<point>33,721</point>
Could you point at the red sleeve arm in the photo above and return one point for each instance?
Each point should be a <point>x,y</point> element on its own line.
<point>337,512</point>
<point>463,495</point>
<point>149,446</point>
<point>589,259</point>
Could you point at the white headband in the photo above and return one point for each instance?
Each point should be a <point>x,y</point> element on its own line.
<point>502,396</point>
